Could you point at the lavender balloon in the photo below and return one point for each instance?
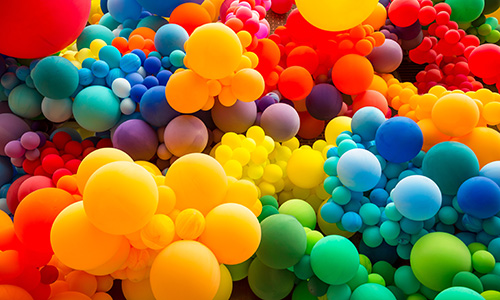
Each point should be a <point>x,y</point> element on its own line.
<point>280,121</point>
<point>185,134</point>
<point>237,118</point>
<point>386,58</point>
<point>11,128</point>
<point>136,138</point>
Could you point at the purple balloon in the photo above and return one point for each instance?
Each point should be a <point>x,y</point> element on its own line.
<point>237,118</point>
<point>413,43</point>
<point>14,149</point>
<point>11,128</point>
<point>324,102</point>
<point>264,102</point>
<point>136,138</point>
<point>280,121</point>
<point>185,134</point>
<point>386,58</point>
<point>30,140</point>
<point>410,32</point>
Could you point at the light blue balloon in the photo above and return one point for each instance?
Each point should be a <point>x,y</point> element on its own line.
<point>366,121</point>
<point>122,10</point>
<point>492,171</point>
<point>359,170</point>
<point>170,37</point>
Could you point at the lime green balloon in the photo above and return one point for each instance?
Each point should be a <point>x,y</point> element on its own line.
<point>365,261</point>
<point>360,278</point>
<point>301,210</point>
<point>406,280</point>
<point>372,291</point>
<point>313,237</point>
<point>476,246</point>
<point>386,270</point>
<point>416,296</point>
<point>483,261</point>
<point>458,293</point>
<point>468,280</point>
<point>269,283</point>
<point>301,292</point>
<point>335,259</point>
<point>491,295</point>
<point>376,278</point>
<point>437,257</point>
<point>283,241</point>
<point>465,10</point>
<point>339,292</point>
<point>55,77</point>
<point>239,271</point>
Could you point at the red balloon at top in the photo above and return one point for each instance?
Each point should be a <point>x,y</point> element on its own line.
<point>404,13</point>
<point>34,28</point>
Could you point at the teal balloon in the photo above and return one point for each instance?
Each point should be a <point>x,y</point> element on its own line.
<point>339,292</point>
<point>96,108</point>
<point>301,292</point>
<point>25,102</point>
<point>269,283</point>
<point>335,259</point>
<point>94,32</point>
<point>463,11</point>
<point>406,280</point>
<point>283,241</point>
<point>449,164</point>
<point>267,210</point>
<point>468,280</point>
<point>153,22</point>
<point>55,77</point>
<point>491,282</point>
<point>459,293</point>
<point>372,291</point>
<point>303,269</point>
<point>360,278</point>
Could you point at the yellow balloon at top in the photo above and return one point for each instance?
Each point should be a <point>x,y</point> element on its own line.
<point>335,15</point>
<point>213,51</point>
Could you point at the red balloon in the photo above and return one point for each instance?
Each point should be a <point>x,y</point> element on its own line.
<point>404,13</point>
<point>32,184</point>
<point>310,128</point>
<point>295,83</point>
<point>352,74</point>
<point>370,98</point>
<point>305,57</point>
<point>12,193</point>
<point>484,61</point>
<point>33,28</point>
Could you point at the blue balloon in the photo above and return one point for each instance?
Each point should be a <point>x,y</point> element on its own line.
<point>163,8</point>
<point>170,37</point>
<point>134,78</point>
<point>113,75</point>
<point>130,63</point>
<point>140,53</point>
<point>85,76</point>
<point>150,82</point>
<point>163,77</point>
<point>359,170</point>
<point>331,212</point>
<point>366,121</point>
<point>122,10</point>
<point>479,197</point>
<point>399,139</point>
<point>104,6</point>
<point>492,171</point>
<point>351,221</point>
<point>155,108</point>
<point>137,91</point>
<point>152,65</point>
<point>100,69</point>
<point>417,197</point>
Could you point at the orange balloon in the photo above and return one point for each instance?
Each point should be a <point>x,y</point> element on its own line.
<point>137,290</point>
<point>36,214</point>
<point>185,270</point>
<point>189,16</point>
<point>114,263</point>
<point>455,114</point>
<point>379,84</point>
<point>247,85</point>
<point>352,74</point>
<point>370,98</point>
<point>189,224</point>
<point>13,292</point>
<point>145,32</point>
<point>7,234</point>
<point>186,92</point>
<point>432,135</point>
<point>269,56</point>
<point>82,282</point>
<point>485,142</point>
<point>305,57</point>
<point>232,232</point>
<point>71,295</point>
<point>295,83</point>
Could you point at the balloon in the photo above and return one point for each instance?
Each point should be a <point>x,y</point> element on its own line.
<point>465,11</point>
<point>269,283</point>
<point>232,232</point>
<point>449,164</point>
<point>136,138</point>
<point>185,269</point>
<point>372,291</point>
<point>280,121</point>
<point>122,10</point>
<point>114,263</point>
<point>432,135</point>
<point>51,26</point>
<point>485,142</point>
<point>324,102</point>
<point>96,108</point>
<point>93,32</point>
<point>386,58</point>
<point>235,118</point>
<point>120,198</point>
<point>283,241</point>
<point>301,210</point>
<point>366,121</point>
<point>491,171</point>
<point>359,170</point>
<point>305,168</point>
<point>211,182</point>
<point>437,257</point>
<point>218,60</point>
<point>187,92</point>
<point>310,128</point>
<point>14,292</point>
<point>137,290</point>
<point>404,13</point>
<point>55,77</point>
<point>163,9</point>
<point>479,197</point>
<point>370,98</point>
<point>78,244</point>
<point>189,16</point>
<point>57,111</point>
<point>458,293</point>
<point>417,197</point>
<point>377,17</point>
<point>335,16</point>
<point>226,284</point>
<point>159,232</point>
<point>11,128</point>
<point>185,134</point>
<point>189,224</point>
<point>399,139</point>
<point>155,109</point>
<point>170,37</point>
<point>247,85</point>
<point>295,83</point>
<point>25,102</point>
<point>305,57</point>
<point>70,295</point>
<point>483,61</point>
<point>455,114</point>
<point>352,74</point>
<point>335,127</point>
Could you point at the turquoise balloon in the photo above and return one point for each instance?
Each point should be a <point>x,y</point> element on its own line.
<point>94,32</point>
<point>459,293</point>
<point>25,102</point>
<point>55,77</point>
<point>339,292</point>
<point>372,291</point>
<point>269,283</point>
<point>360,278</point>
<point>96,108</point>
<point>406,281</point>
<point>335,259</point>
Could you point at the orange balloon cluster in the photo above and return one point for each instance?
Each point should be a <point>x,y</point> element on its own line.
<point>141,38</point>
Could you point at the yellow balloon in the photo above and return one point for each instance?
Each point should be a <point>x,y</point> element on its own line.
<point>491,295</point>
<point>78,244</point>
<point>114,263</point>
<point>335,127</point>
<point>242,192</point>
<point>455,114</point>
<point>120,197</point>
<point>247,85</point>
<point>187,92</point>
<point>137,290</point>
<point>159,232</point>
<point>95,160</point>
<point>166,199</point>
<point>232,232</point>
<point>485,142</point>
<point>335,15</point>
<point>150,167</point>
<point>198,181</point>
<point>305,168</point>
<point>189,224</point>
<point>330,228</point>
<point>185,270</point>
<point>226,284</point>
<point>213,51</point>
<point>377,17</point>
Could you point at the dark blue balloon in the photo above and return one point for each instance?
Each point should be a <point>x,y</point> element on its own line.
<point>155,108</point>
<point>399,139</point>
<point>137,91</point>
<point>6,170</point>
<point>152,65</point>
<point>170,37</point>
<point>163,8</point>
<point>163,77</point>
<point>150,82</point>
<point>104,6</point>
<point>479,197</point>
<point>140,53</point>
<point>324,102</point>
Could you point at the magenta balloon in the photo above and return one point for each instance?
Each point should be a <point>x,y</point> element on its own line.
<point>386,58</point>
<point>11,128</point>
<point>185,134</point>
<point>136,138</point>
<point>237,118</point>
<point>280,121</point>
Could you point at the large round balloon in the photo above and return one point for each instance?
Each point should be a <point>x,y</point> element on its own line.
<point>136,138</point>
<point>479,197</point>
<point>50,25</point>
<point>458,293</point>
<point>269,283</point>
<point>305,168</point>
<point>386,58</point>
<point>280,121</point>
<point>55,77</point>
<point>359,170</point>
<point>96,108</point>
<point>399,139</point>
<point>163,8</point>
<point>485,142</point>
<point>366,121</point>
<point>185,134</point>
<point>336,15</point>
<point>484,61</point>
<point>352,74</point>
<point>185,270</point>
<point>236,118</point>
<point>324,102</point>
<point>463,11</point>
<point>455,114</point>
<point>372,291</point>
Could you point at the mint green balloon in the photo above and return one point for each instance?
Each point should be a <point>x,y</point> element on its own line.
<point>335,259</point>
<point>55,77</point>
<point>459,293</point>
<point>372,291</point>
<point>437,257</point>
<point>468,280</point>
<point>96,108</point>
<point>301,210</point>
<point>269,200</point>
<point>25,102</point>
<point>269,283</point>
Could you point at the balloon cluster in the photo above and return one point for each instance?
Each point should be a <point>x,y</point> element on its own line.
<point>248,16</point>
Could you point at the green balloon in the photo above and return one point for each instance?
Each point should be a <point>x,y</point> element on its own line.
<point>427,292</point>
<point>96,108</point>
<point>386,270</point>
<point>283,241</point>
<point>458,293</point>
<point>269,200</point>
<point>339,292</point>
<point>313,237</point>
<point>372,291</point>
<point>303,268</point>
<point>468,280</point>
<point>269,283</point>
<point>437,257</point>
<point>301,292</point>
<point>55,77</point>
<point>465,10</point>
<point>416,297</point>
<point>365,261</point>
<point>94,32</point>
<point>240,271</point>
<point>490,282</point>
<point>317,287</point>
<point>335,259</point>
<point>397,292</point>
<point>267,210</point>
<point>25,102</point>
<point>376,278</point>
<point>483,261</point>
<point>360,278</point>
<point>449,164</point>
<point>301,210</point>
